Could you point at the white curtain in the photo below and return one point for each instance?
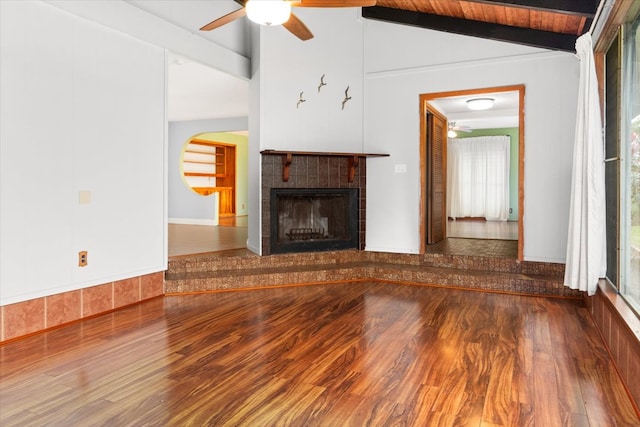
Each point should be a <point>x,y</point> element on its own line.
<point>478,177</point>
<point>586,245</point>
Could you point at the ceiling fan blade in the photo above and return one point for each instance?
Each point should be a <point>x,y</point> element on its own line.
<point>229,17</point>
<point>297,28</point>
<point>333,3</point>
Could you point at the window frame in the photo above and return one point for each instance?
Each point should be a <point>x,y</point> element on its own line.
<point>616,29</point>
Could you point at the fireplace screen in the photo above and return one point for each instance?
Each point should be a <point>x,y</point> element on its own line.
<point>313,219</point>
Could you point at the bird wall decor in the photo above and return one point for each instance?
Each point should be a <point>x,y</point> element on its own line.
<point>346,97</point>
<point>300,100</point>
<point>322,83</point>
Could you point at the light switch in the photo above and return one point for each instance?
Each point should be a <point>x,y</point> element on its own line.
<point>400,168</point>
<point>84,197</point>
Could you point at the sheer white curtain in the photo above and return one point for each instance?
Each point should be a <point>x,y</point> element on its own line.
<point>586,245</point>
<point>478,177</point>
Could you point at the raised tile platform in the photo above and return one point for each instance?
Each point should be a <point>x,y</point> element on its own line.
<point>241,269</point>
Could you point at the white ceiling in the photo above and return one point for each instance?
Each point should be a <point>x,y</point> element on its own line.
<point>503,114</point>
<point>193,14</point>
<point>198,92</point>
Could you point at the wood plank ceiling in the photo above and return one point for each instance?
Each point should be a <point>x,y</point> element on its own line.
<point>550,24</point>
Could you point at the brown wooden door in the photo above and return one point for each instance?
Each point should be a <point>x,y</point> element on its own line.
<point>436,141</point>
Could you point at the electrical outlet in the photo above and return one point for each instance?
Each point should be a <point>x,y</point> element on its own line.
<point>510,210</point>
<point>82,259</point>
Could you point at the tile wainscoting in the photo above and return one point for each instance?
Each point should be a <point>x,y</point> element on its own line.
<point>31,316</point>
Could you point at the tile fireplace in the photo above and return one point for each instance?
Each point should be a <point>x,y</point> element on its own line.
<point>302,171</point>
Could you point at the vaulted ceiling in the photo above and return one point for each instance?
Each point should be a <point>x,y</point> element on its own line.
<point>550,24</point>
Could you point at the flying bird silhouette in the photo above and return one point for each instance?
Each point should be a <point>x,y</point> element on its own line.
<point>322,83</point>
<point>346,97</point>
<point>300,101</point>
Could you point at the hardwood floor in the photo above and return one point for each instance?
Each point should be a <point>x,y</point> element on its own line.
<point>194,239</point>
<point>474,229</point>
<point>360,353</point>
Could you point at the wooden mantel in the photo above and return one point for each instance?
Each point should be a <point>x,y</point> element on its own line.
<point>354,159</point>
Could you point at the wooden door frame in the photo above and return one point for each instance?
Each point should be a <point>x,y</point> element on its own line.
<point>424,100</point>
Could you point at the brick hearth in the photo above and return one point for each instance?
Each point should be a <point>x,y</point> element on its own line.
<point>241,269</point>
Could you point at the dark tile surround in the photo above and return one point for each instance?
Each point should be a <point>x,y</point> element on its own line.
<point>311,171</point>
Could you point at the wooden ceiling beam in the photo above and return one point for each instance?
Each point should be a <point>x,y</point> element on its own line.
<point>505,33</point>
<point>586,8</point>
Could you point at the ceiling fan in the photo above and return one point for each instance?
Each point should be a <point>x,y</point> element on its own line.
<point>278,12</point>
<point>453,129</point>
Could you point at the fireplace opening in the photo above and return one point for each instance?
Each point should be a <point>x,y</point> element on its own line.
<point>310,219</point>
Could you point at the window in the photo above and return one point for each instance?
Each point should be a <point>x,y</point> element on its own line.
<point>622,174</point>
<point>612,153</point>
<point>630,147</point>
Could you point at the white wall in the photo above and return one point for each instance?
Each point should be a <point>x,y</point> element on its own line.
<point>437,62</point>
<point>185,206</point>
<point>387,67</point>
<point>289,66</point>
<point>282,67</point>
<point>157,22</point>
<point>254,223</point>
<point>83,113</point>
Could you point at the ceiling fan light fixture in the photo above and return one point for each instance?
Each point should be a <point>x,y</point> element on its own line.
<point>268,12</point>
<point>452,133</point>
<point>480,103</point>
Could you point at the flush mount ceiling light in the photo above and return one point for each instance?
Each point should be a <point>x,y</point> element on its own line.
<point>480,103</point>
<point>268,12</point>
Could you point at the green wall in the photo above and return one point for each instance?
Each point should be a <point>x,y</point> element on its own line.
<point>514,135</point>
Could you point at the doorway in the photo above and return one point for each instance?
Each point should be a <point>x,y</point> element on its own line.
<point>212,194</point>
<point>507,101</point>
<point>203,103</point>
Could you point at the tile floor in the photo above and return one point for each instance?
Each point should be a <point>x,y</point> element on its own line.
<point>475,247</point>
